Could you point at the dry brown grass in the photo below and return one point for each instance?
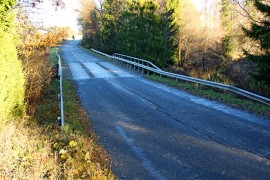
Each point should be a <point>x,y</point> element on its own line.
<point>38,73</point>
<point>25,154</point>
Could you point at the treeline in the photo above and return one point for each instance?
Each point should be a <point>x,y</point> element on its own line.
<point>136,28</point>
<point>175,34</point>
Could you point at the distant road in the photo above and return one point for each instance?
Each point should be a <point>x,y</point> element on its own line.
<point>152,131</point>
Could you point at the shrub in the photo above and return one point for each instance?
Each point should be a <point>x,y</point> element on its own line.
<point>33,52</point>
<point>11,72</point>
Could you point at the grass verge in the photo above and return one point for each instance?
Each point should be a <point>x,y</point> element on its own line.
<point>53,57</point>
<point>221,96</point>
<point>36,147</point>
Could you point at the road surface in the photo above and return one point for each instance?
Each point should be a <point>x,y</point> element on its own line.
<point>152,131</point>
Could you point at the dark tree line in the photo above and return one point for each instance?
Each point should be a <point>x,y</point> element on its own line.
<point>157,31</point>
<point>136,28</point>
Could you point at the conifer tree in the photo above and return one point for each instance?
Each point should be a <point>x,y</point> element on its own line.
<point>227,25</point>
<point>147,34</point>
<point>260,33</point>
<point>111,10</point>
<point>177,15</point>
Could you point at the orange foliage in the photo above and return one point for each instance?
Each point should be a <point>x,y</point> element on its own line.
<point>33,52</point>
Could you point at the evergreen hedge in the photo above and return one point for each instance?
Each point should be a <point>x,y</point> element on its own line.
<point>11,71</point>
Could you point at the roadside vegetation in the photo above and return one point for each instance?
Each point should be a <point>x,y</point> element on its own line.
<point>33,145</point>
<point>11,71</point>
<point>225,41</point>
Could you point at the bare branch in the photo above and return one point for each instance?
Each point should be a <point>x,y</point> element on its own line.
<point>246,11</point>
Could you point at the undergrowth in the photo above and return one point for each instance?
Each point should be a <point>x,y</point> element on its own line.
<point>217,95</point>
<point>36,147</point>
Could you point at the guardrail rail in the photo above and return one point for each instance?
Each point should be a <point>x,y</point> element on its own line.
<point>61,120</point>
<point>147,66</point>
<point>138,60</point>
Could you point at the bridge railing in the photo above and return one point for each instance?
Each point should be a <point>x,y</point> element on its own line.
<point>145,68</point>
<point>138,60</point>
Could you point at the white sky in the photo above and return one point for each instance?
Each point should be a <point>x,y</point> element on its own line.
<point>198,3</point>
<point>50,16</point>
<point>68,17</point>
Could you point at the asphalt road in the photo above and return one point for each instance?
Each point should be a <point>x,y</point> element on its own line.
<point>152,131</point>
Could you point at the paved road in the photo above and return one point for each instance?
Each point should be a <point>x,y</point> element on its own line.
<point>156,132</point>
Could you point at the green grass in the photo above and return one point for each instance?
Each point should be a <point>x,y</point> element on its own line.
<point>217,95</point>
<point>53,56</point>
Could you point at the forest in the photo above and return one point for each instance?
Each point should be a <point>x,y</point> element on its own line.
<point>225,41</point>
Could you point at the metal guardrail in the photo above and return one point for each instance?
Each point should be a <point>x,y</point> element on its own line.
<point>138,60</point>
<point>61,120</point>
<point>102,54</point>
<point>145,68</point>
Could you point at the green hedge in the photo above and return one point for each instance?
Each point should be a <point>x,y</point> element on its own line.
<point>11,71</point>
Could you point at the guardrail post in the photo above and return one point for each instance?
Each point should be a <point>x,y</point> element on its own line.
<point>197,85</point>
<point>59,100</point>
<point>59,121</point>
<point>60,96</point>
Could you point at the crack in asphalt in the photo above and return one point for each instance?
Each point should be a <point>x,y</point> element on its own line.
<point>166,111</point>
